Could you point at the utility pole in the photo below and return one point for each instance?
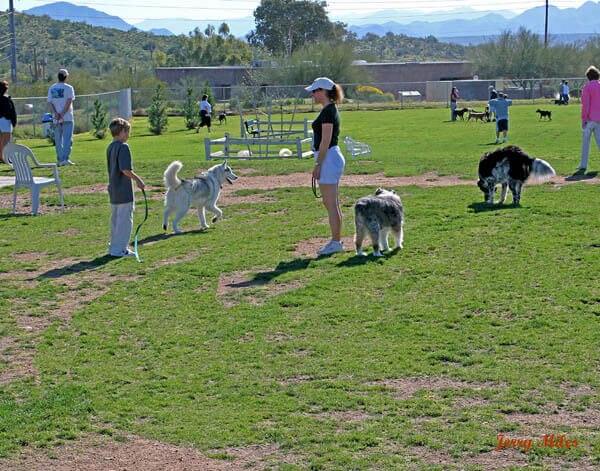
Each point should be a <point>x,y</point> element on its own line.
<point>545,27</point>
<point>13,43</point>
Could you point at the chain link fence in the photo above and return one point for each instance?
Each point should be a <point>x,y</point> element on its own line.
<point>363,96</point>
<point>31,110</point>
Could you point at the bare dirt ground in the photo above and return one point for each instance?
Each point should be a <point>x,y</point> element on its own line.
<point>99,453</point>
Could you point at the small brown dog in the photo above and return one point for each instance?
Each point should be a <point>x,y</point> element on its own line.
<point>544,114</point>
<point>481,116</point>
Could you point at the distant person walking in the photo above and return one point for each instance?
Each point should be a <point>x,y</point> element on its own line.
<point>564,92</point>
<point>205,113</point>
<point>8,117</point>
<point>454,96</point>
<point>590,116</point>
<point>60,97</point>
<point>499,106</point>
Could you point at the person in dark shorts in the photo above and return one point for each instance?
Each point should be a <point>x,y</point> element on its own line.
<point>205,112</point>
<point>500,107</point>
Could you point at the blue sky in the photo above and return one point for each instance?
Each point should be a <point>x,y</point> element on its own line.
<point>135,11</point>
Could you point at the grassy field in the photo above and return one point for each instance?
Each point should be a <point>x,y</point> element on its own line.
<point>487,323</point>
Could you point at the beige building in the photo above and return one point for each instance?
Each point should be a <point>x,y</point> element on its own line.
<point>386,75</point>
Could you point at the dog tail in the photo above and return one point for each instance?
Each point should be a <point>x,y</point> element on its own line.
<point>542,170</point>
<point>170,176</point>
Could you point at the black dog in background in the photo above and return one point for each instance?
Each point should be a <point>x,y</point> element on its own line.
<point>544,114</point>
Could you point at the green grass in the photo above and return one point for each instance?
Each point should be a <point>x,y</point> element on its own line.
<point>508,296</point>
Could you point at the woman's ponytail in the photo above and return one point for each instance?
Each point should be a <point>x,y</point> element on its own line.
<point>336,94</point>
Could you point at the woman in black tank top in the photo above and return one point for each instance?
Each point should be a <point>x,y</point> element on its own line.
<point>329,161</point>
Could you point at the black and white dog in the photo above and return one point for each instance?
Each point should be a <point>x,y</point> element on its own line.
<point>378,216</point>
<point>509,166</point>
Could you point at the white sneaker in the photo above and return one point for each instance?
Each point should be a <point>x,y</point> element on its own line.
<point>333,246</point>
<point>127,253</point>
<point>69,162</point>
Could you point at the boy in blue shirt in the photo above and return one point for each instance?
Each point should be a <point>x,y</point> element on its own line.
<point>499,106</point>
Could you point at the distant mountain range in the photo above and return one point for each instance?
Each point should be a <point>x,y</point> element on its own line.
<point>455,25</point>
<point>585,19</point>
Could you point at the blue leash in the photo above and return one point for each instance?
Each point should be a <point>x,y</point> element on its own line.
<point>137,231</point>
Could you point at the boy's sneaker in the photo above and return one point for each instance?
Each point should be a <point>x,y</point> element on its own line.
<point>333,246</point>
<point>69,162</point>
<point>505,139</point>
<point>126,253</point>
<point>497,141</point>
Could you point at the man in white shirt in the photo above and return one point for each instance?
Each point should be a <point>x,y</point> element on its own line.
<point>60,97</point>
<point>205,112</point>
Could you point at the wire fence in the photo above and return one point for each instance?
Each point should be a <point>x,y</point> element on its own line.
<point>253,99</point>
<point>31,111</point>
<point>388,95</point>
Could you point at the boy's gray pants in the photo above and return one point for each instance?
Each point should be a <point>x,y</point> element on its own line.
<point>121,224</point>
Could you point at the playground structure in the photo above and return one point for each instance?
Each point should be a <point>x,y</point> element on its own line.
<point>258,148</point>
<point>266,138</point>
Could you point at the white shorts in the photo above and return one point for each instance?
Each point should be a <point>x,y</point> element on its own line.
<point>332,167</point>
<point>5,125</point>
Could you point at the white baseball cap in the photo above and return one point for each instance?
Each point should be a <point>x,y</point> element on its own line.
<point>321,82</point>
<point>64,72</point>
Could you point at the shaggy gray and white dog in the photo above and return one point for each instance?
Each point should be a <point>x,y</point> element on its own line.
<point>378,216</point>
<point>201,192</point>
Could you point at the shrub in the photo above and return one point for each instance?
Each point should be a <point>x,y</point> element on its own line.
<point>368,90</point>
<point>372,94</point>
<point>99,119</point>
<point>157,112</point>
<point>190,110</point>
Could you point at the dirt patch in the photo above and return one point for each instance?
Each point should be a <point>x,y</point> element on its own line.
<point>71,232</point>
<point>248,286</point>
<point>102,188</point>
<point>30,256</point>
<point>405,388</point>
<point>98,453</point>
<point>175,260</point>
<point>559,418</point>
<point>82,282</point>
<point>427,180</point>
<point>299,379</point>
<point>230,199</point>
<point>294,180</point>
<point>18,358</point>
<point>489,461</point>
<point>344,416</point>
<point>309,247</point>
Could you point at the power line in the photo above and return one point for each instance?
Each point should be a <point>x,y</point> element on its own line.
<point>13,49</point>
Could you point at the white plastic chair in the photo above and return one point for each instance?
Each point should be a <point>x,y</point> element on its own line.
<point>19,157</point>
<point>356,148</point>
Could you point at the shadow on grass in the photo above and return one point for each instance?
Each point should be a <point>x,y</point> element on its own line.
<point>483,207</point>
<point>265,277</point>
<point>577,177</point>
<point>78,267</point>
<point>169,235</point>
<point>15,215</point>
<point>493,143</point>
<point>359,260</point>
